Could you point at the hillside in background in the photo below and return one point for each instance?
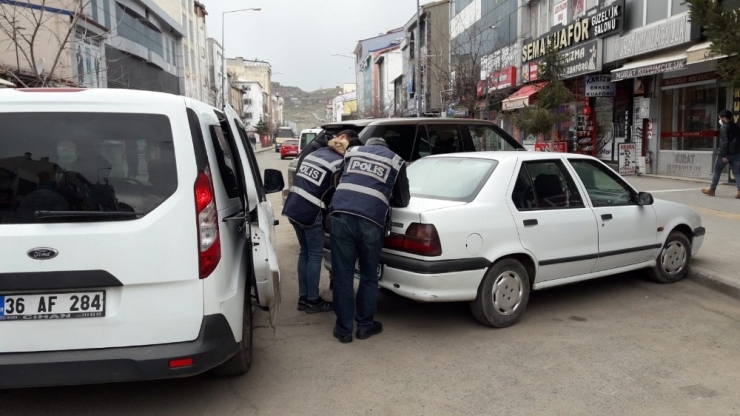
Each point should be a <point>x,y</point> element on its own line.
<point>306,109</point>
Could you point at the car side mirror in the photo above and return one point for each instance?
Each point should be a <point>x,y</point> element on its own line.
<point>645,198</point>
<point>274,181</point>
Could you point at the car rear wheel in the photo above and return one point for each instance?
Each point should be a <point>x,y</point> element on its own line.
<point>673,262</point>
<point>502,295</point>
<point>240,363</point>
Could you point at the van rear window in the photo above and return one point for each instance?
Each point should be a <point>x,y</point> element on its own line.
<point>84,163</point>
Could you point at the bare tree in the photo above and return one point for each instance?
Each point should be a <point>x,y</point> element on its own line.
<point>43,34</point>
<point>465,74</point>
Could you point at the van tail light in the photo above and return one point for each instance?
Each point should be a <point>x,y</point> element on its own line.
<point>421,239</point>
<point>209,244</point>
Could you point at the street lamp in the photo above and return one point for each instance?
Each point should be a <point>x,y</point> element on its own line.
<point>223,47</point>
<point>343,56</point>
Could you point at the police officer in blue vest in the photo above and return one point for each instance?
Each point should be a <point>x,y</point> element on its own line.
<point>308,200</point>
<point>373,179</point>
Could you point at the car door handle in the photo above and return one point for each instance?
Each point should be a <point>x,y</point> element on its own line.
<point>606,217</point>
<point>529,223</point>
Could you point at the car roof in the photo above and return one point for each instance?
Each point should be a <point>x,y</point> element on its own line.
<point>499,155</point>
<point>436,120</point>
<point>146,99</point>
<point>358,123</point>
<point>310,131</point>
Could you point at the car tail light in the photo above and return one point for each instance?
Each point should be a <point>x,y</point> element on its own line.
<point>180,363</point>
<point>209,244</point>
<point>421,239</point>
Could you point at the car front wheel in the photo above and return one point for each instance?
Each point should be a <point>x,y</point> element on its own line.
<point>502,295</point>
<point>673,262</point>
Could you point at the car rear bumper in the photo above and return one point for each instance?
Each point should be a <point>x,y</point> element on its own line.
<point>429,281</point>
<point>214,345</point>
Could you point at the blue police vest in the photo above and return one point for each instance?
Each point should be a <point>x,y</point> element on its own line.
<point>367,182</point>
<point>312,181</point>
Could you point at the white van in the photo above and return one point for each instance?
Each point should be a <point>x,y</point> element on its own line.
<point>135,237</point>
<point>307,137</point>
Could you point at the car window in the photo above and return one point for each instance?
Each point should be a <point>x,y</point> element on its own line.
<point>400,138</point>
<point>455,179</point>
<point>74,161</point>
<point>253,163</point>
<point>485,138</point>
<point>545,185</point>
<point>307,138</point>
<point>444,138</point>
<point>291,143</point>
<point>604,187</point>
<point>226,164</point>
<point>287,134</point>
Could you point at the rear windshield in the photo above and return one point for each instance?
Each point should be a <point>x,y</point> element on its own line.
<point>307,138</point>
<point>454,179</point>
<point>291,142</point>
<point>84,162</point>
<point>287,134</point>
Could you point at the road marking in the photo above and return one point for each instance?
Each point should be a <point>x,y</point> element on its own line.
<point>675,190</point>
<point>717,213</point>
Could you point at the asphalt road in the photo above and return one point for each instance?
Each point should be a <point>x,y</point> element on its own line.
<point>619,346</point>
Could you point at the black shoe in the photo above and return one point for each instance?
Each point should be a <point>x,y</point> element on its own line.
<point>344,339</point>
<point>377,328</point>
<point>302,303</point>
<point>318,306</point>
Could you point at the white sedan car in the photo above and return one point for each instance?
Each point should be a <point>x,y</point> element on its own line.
<point>489,227</point>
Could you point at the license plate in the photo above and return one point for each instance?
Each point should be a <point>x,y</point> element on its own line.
<point>379,271</point>
<point>28,307</point>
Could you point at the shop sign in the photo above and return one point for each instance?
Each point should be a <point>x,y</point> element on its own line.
<point>684,164</point>
<point>581,60</point>
<point>600,85</point>
<point>561,12</point>
<point>606,20</point>
<point>481,90</point>
<point>543,147</point>
<point>627,159</point>
<point>671,33</point>
<point>688,134</point>
<point>736,105</point>
<point>505,78</point>
<point>705,76</point>
<point>598,22</point>
<point>560,147</point>
<point>644,71</point>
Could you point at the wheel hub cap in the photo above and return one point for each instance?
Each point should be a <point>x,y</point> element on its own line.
<point>673,258</point>
<point>507,293</point>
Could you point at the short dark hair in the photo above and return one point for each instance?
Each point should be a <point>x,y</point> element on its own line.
<point>726,114</point>
<point>355,141</point>
<point>351,134</point>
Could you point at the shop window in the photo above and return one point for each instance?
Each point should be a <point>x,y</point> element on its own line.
<point>689,118</point>
<point>678,7</point>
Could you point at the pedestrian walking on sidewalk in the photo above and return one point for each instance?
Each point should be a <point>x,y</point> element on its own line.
<point>729,152</point>
<point>305,207</point>
<point>374,178</point>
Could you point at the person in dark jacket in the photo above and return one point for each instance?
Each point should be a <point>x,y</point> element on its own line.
<point>373,179</point>
<point>305,206</point>
<point>729,152</point>
<point>322,140</point>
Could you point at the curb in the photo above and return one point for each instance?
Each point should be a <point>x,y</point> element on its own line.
<point>264,149</point>
<point>677,178</point>
<point>711,280</point>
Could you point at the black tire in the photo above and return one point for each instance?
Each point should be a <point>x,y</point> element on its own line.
<point>504,309</point>
<point>276,149</point>
<point>282,157</point>
<point>240,363</point>
<point>673,262</point>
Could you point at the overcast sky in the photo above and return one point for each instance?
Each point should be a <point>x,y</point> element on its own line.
<point>298,37</point>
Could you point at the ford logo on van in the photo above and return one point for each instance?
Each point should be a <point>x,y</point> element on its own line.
<point>42,253</point>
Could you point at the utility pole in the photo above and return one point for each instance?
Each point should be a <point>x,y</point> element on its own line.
<point>417,73</point>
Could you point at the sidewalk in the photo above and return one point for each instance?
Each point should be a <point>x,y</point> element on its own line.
<point>260,149</point>
<point>715,265</point>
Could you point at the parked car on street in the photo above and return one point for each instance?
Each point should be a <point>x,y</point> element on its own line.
<point>489,227</point>
<point>289,148</point>
<point>127,221</point>
<point>283,134</point>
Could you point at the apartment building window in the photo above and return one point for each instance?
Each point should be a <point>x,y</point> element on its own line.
<point>186,57</point>
<point>540,13</point>
<point>106,11</point>
<point>172,48</point>
<point>190,25</point>
<point>657,10</point>
<point>247,101</point>
<point>678,7</point>
<point>460,5</point>
<point>190,5</point>
<point>635,13</point>
<point>248,116</point>
<point>94,7</point>
<point>131,27</point>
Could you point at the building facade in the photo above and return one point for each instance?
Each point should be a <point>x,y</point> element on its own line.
<point>254,102</point>
<point>365,69</point>
<point>215,72</point>
<point>255,71</point>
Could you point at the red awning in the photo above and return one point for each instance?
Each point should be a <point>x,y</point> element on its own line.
<point>521,98</point>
